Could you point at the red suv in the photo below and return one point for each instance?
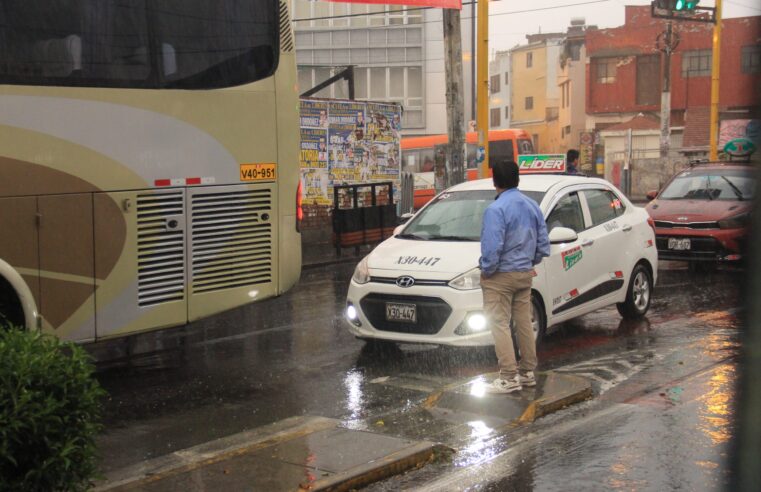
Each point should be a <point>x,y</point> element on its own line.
<point>703,213</point>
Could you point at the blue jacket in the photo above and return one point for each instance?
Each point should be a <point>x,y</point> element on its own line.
<point>513,235</point>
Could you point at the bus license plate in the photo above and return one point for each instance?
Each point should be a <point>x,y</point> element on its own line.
<point>258,172</point>
<point>401,312</point>
<point>679,244</point>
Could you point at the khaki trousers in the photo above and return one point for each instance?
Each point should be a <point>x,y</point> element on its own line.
<point>507,295</point>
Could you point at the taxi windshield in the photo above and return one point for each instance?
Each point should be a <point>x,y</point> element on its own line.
<point>713,185</point>
<point>455,216</point>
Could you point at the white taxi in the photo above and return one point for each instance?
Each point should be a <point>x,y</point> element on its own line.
<point>423,284</point>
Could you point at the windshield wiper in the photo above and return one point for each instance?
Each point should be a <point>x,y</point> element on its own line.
<point>452,238</point>
<point>734,188</point>
<point>708,188</point>
<point>411,236</point>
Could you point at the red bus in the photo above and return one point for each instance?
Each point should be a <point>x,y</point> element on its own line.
<point>420,154</point>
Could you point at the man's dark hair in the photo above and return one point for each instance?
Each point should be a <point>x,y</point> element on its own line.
<point>572,155</point>
<point>505,174</point>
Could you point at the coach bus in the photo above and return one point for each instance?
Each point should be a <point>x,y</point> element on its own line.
<point>148,162</point>
<point>420,154</point>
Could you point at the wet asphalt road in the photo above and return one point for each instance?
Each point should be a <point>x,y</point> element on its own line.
<point>661,418</point>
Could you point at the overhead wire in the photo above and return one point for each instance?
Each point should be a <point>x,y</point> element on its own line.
<point>496,14</point>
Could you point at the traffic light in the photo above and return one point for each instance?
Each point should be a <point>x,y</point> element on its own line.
<point>677,5</point>
<point>685,5</point>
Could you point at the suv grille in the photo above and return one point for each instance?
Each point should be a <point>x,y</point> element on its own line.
<point>432,313</point>
<point>700,247</point>
<point>686,225</point>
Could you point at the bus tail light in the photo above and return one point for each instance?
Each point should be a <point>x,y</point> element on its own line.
<point>299,208</point>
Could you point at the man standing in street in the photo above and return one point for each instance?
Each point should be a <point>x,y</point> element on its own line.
<point>513,240</point>
<point>572,161</point>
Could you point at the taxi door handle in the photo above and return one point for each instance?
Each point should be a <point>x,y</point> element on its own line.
<point>627,228</point>
<point>588,242</point>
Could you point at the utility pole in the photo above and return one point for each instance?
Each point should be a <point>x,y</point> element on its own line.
<point>714,125</point>
<point>455,106</point>
<point>482,97</point>
<point>668,46</point>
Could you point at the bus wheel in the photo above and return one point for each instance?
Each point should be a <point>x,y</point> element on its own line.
<point>11,313</point>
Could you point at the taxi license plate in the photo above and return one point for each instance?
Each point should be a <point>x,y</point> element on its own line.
<point>679,244</point>
<point>401,312</point>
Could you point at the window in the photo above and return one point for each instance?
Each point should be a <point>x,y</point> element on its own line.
<point>494,84</point>
<point>529,59</point>
<point>696,63</point>
<point>567,130</point>
<point>567,213</point>
<point>603,206</point>
<point>507,112</point>
<point>171,44</point>
<point>751,59</point>
<point>494,121</point>
<point>605,70</point>
<point>507,78</point>
<point>529,102</point>
<point>648,80</point>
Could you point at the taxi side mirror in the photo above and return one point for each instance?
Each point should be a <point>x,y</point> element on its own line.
<point>405,217</point>
<point>652,194</point>
<point>562,235</point>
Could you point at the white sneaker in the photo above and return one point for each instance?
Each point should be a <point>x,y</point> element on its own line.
<point>527,378</point>
<point>505,385</point>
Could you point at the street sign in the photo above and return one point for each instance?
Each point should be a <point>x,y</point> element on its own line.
<point>739,147</point>
<point>541,163</point>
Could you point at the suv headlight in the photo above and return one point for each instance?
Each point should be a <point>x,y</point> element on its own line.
<point>735,222</point>
<point>467,281</point>
<point>362,272</point>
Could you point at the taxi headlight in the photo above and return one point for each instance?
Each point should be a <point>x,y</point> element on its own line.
<point>476,322</point>
<point>362,272</point>
<point>467,281</point>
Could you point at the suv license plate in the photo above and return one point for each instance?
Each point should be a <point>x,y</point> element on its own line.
<point>679,244</point>
<point>401,312</point>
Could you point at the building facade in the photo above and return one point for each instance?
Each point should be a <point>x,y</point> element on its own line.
<point>499,91</point>
<point>535,94</point>
<point>624,74</point>
<point>398,55</point>
<point>571,85</point>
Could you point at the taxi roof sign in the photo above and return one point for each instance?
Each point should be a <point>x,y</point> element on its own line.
<point>541,163</point>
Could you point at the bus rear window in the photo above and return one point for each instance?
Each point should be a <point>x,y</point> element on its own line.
<point>189,44</point>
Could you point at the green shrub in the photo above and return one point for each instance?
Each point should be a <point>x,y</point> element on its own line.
<point>50,407</point>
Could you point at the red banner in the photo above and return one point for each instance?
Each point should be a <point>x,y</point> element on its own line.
<point>444,4</point>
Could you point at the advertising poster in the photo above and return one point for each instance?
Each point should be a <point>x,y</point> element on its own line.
<point>313,159</point>
<point>348,142</point>
<point>313,114</point>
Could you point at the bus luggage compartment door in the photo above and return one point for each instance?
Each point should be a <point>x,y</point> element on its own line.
<point>140,260</point>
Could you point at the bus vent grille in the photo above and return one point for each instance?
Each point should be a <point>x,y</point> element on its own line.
<point>286,35</point>
<point>231,240</point>
<point>160,248</point>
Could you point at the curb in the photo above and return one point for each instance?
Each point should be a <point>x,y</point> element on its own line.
<point>170,470</point>
<point>415,456</point>
<point>545,406</point>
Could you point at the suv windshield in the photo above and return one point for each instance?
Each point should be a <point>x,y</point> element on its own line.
<point>455,216</point>
<point>712,184</point>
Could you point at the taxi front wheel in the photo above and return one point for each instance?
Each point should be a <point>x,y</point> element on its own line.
<point>638,295</point>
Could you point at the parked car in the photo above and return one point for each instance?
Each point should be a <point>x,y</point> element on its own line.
<point>423,284</point>
<point>703,213</point>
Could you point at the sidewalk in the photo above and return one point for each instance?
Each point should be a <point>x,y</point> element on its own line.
<point>316,453</point>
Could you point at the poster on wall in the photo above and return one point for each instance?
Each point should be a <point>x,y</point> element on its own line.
<point>347,142</point>
<point>740,128</point>
<point>313,159</point>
